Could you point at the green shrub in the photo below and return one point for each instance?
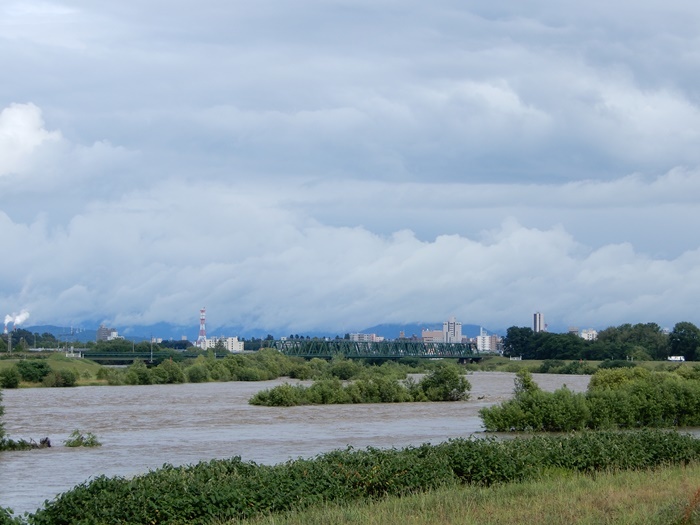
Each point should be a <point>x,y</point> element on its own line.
<point>168,372</point>
<point>551,366</point>
<point>197,374</point>
<point>445,383</point>
<point>577,367</point>
<point>524,383</point>
<point>7,517</point>
<point>138,374</point>
<point>616,363</point>
<point>77,439</point>
<point>345,369</point>
<point>217,371</point>
<point>62,378</point>
<point>10,377</point>
<point>33,370</point>
<point>616,398</point>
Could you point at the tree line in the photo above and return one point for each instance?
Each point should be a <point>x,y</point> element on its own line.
<point>642,341</point>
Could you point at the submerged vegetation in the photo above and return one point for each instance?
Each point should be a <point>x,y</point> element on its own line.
<point>616,398</point>
<point>78,439</point>
<point>232,489</point>
<point>445,383</point>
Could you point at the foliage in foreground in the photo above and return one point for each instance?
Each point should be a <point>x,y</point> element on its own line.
<point>445,383</point>
<point>233,489</point>
<point>661,496</point>
<point>616,398</point>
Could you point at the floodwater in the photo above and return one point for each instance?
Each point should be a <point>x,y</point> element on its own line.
<point>144,427</point>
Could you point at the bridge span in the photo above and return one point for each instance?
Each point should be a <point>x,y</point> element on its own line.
<point>323,349</point>
<point>327,349</point>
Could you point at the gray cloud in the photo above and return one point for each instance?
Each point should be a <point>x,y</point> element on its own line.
<point>336,164</point>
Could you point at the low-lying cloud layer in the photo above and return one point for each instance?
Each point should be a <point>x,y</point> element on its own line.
<point>343,164</point>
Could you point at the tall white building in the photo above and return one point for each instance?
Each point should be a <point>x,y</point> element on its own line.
<point>488,343</point>
<point>589,334</point>
<point>452,331</point>
<point>538,323</point>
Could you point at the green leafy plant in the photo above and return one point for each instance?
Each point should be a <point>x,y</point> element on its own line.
<point>78,439</point>
<point>33,370</point>
<point>10,378</point>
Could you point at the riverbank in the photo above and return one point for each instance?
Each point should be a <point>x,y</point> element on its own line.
<point>662,496</point>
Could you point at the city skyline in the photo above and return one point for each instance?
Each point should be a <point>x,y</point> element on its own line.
<point>302,166</point>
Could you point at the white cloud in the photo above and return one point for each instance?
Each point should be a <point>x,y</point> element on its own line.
<point>21,134</point>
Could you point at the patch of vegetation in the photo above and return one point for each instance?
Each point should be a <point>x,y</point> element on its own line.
<point>616,398</point>
<point>78,439</point>
<point>63,378</point>
<point>445,383</point>
<point>9,378</point>
<point>33,370</point>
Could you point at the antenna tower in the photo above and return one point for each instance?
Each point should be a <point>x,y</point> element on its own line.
<point>202,339</point>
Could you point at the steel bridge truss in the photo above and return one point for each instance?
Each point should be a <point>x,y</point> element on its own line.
<point>383,350</point>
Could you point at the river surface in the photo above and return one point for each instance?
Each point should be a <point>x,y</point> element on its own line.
<point>144,427</point>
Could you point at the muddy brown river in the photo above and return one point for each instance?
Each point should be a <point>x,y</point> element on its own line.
<point>144,427</point>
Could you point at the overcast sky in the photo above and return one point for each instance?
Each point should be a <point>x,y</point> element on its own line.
<point>335,164</point>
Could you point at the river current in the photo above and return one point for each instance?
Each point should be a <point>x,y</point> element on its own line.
<point>144,427</point>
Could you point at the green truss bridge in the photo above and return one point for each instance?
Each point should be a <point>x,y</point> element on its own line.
<point>464,352</point>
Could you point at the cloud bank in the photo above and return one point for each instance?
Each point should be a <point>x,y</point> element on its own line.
<point>341,164</point>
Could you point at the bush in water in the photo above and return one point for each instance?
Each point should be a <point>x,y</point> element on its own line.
<point>616,398</point>
<point>78,439</point>
<point>445,383</point>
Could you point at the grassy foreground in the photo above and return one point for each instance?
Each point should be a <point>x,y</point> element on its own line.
<point>663,496</point>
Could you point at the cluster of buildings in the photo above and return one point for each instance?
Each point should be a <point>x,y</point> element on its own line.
<point>538,325</point>
<point>451,332</point>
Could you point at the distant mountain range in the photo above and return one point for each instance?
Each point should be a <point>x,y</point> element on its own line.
<point>169,331</point>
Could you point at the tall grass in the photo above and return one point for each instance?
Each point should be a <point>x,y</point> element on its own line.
<point>661,496</point>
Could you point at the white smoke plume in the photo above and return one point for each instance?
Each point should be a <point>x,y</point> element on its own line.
<point>17,319</point>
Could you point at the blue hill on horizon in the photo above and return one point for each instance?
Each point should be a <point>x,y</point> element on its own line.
<point>168,331</point>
